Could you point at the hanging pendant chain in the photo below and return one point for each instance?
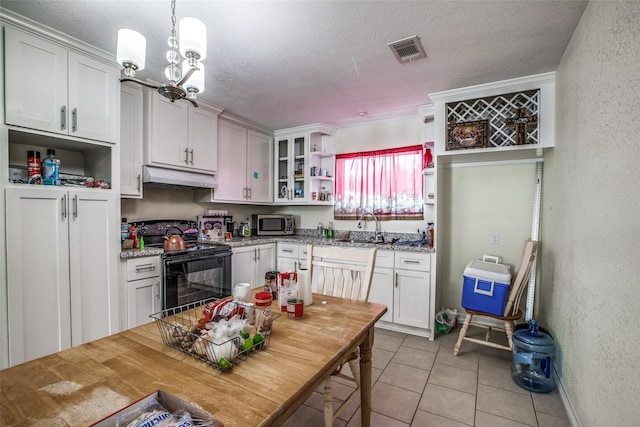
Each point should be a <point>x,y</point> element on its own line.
<point>173,18</point>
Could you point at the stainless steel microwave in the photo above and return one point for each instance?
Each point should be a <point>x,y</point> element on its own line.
<point>272,225</point>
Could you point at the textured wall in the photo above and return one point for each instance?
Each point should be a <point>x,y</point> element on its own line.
<point>590,230</point>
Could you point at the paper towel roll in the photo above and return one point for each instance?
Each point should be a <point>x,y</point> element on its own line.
<point>304,286</point>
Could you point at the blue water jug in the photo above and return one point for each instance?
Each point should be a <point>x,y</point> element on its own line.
<point>533,353</point>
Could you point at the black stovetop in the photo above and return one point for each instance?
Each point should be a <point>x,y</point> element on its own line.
<point>154,232</point>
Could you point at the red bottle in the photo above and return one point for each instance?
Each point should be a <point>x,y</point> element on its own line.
<point>134,236</point>
<point>427,159</point>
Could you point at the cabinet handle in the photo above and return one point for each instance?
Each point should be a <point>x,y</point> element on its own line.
<point>249,193</point>
<point>258,252</point>
<point>139,182</point>
<point>145,267</point>
<point>63,117</point>
<point>396,280</point>
<point>75,206</point>
<point>64,206</point>
<point>158,291</point>
<point>186,156</point>
<point>287,250</point>
<point>74,120</point>
<point>410,261</point>
<point>191,156</point>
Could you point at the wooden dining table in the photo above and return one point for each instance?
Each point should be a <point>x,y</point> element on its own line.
<point>84,384</point>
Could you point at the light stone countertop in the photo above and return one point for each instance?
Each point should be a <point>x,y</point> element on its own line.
<point>309,240</point>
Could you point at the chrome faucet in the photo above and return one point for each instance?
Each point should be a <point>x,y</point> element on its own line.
<point>378,237</point>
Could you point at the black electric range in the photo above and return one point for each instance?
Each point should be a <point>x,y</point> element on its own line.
<point>198,272</point>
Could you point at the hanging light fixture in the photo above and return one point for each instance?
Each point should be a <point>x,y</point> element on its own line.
<point>185,82</point>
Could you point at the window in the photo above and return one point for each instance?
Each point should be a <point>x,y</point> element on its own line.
<point>385,182</point>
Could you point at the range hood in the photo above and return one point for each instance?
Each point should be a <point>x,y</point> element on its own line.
<point>171,177</point>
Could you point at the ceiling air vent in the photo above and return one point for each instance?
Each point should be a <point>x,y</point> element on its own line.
<point>408,49</point>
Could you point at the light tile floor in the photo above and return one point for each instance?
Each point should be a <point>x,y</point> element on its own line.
<point>419,383</point>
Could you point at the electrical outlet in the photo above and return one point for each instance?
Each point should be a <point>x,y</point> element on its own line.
<point>494,238</point>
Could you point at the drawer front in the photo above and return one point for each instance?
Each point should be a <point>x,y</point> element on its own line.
<point>288,250</point>
<point>384,259</point>
<point>143,268</point>
<point>413,261</point>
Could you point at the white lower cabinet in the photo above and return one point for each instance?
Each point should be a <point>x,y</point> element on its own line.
<point>381,290</point>
<point>411,298</point>
<point>291,256</point>
<point>403,282</point>
<point>143,289</point>
<point>61,268</point>
<point>250,263</point>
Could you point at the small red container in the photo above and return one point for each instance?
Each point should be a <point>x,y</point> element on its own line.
<point>263,299</point>
<point>295,308</point>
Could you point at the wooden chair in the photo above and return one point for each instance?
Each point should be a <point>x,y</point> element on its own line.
<point>512,311</point>
<point>347,273</point>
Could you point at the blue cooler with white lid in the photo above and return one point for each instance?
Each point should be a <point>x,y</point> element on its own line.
<point>486,285</point>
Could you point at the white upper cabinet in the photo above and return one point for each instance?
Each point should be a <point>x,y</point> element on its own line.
<point>56,90</point>
<point>244,168</point>
<point>492,110</point>
<point>304,165</point>
<point>179,135</point>
<point>131,141</point>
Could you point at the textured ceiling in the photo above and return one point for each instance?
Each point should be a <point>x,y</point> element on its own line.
<point>291,63</point>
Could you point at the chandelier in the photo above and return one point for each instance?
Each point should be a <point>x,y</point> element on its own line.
<point>183,83</point>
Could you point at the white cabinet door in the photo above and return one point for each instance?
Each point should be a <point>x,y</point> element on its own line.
<point>288,264</point>
<point>39,308</point>
<point>242,260</point>
<point>250,263</point>
<point>94,99</point>
<point>202,141</point>
<point>143,298</point>
<point>291,169</point>
<point>232,164</point>
<point>167,130</point>
<point>259,176</point>
<point>265,261</point>
<point>93,246</point>
<point>411,304</point>
<point>381,291</point>
<point>36,97</point>
<point>131,142</point>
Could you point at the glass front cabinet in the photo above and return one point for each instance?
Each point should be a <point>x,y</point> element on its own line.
<point>304,165</point>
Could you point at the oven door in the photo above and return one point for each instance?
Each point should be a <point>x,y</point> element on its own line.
<point>192,278</point>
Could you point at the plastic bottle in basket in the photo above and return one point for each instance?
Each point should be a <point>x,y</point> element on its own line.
<point>532,365</point>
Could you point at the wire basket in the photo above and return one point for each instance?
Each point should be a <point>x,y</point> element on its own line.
<point>195,329</point>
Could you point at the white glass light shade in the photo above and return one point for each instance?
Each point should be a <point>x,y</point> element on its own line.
<point>193,37</point>
<point>197,78</point>
<point>131,48</point>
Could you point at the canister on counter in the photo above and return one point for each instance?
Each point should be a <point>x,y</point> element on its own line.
<point>295,308</point>
<point>271,283</point>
